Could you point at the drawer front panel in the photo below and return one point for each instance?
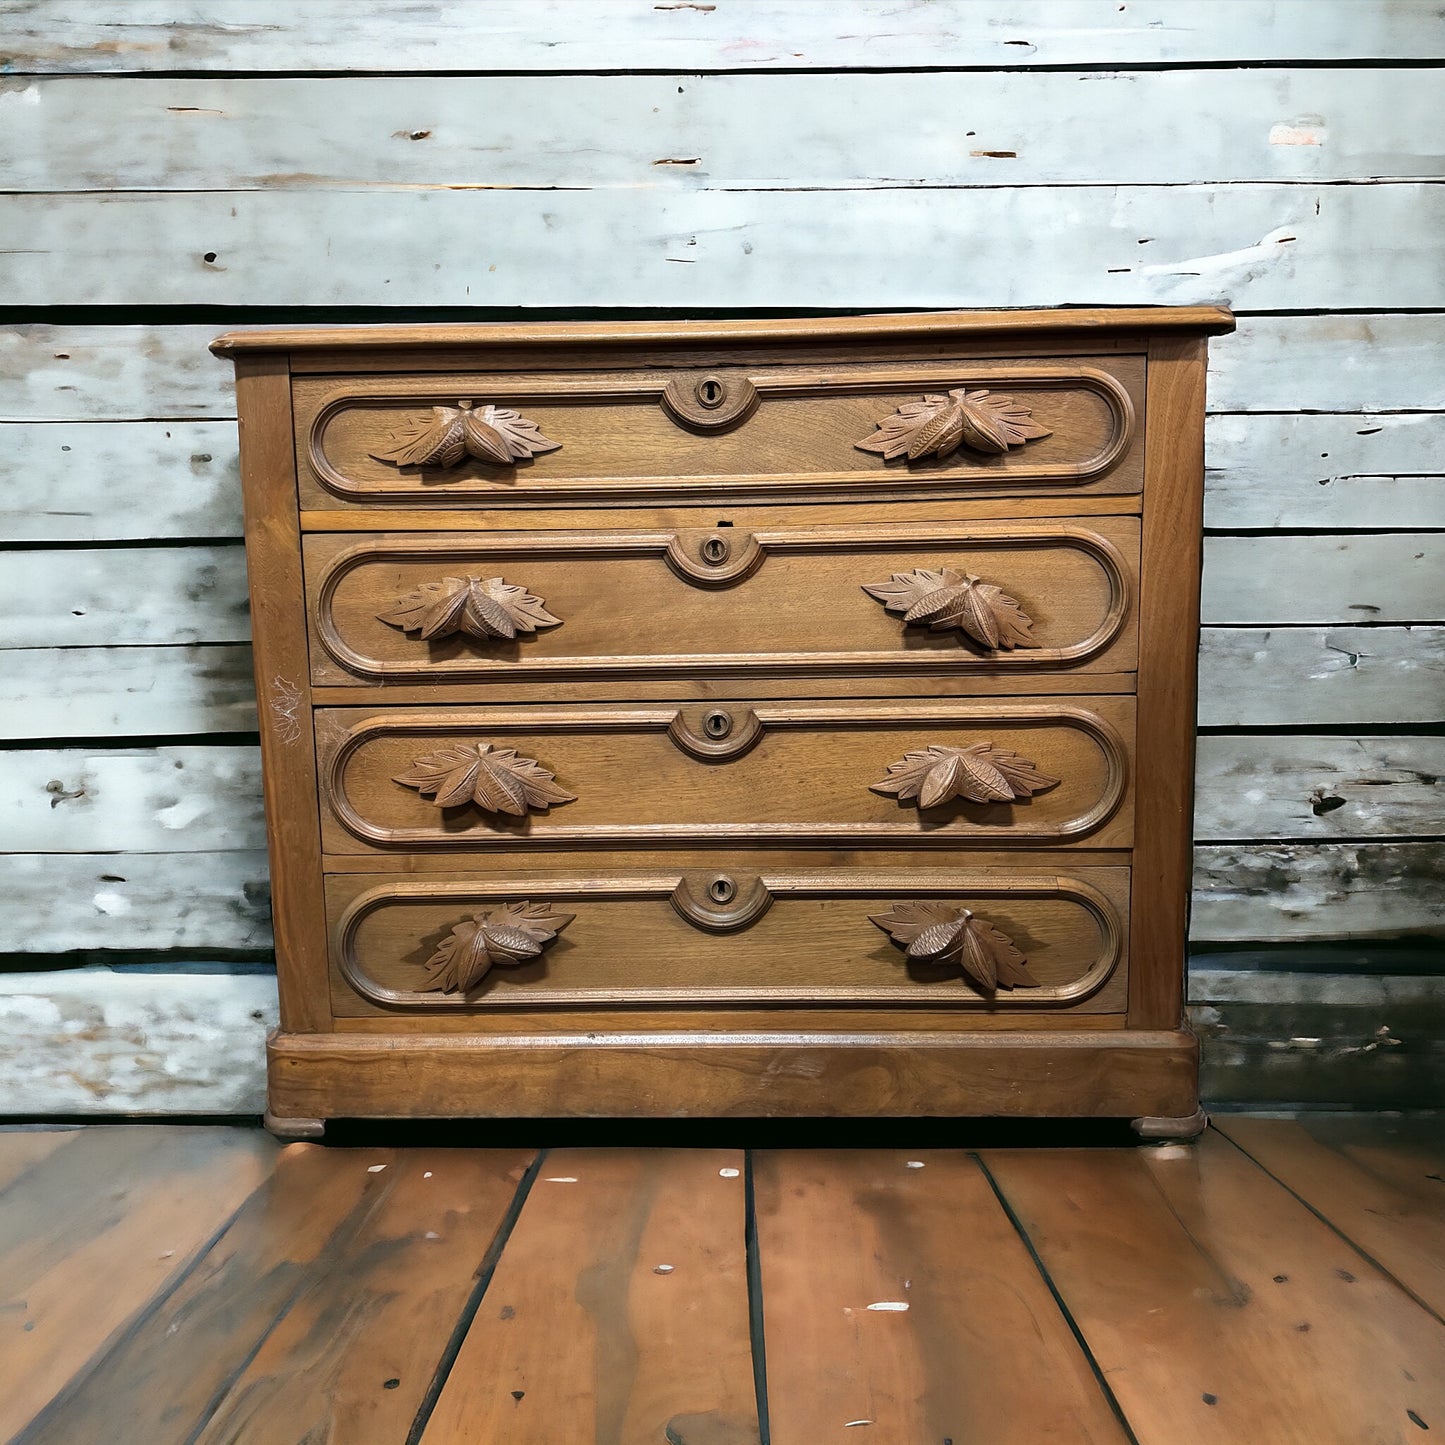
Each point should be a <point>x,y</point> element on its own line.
<point>650,437</point>
<point>738,773</point>
<point>837,601</point>
<point>728,939</point>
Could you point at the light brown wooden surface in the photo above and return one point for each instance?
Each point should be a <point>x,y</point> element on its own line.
<point>897,1297</point>
<point>94,1231</point>
<point>1381,1184</point>
<point>618,1312</point>
<point>1217,1306</point>
<point>206,1285</point>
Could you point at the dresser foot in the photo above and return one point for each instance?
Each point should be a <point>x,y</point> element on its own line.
<point>1155,1130</point>
<point>293,1128</point>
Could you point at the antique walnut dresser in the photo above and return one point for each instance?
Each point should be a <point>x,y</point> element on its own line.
<point>729,718</point>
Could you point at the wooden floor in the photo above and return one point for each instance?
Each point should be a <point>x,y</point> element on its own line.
<point>1282,1281</point>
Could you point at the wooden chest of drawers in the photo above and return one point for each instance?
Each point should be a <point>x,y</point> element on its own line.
<point>743,718</point>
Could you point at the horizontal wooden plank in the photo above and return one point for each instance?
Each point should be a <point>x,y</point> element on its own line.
<point>112,481</point>
<point>1391,577</point>
<point>1319,787</point>
<point>135,901</point>
<point>735,131</point>
<point>131,800</point>
<point>1353,363</point>
<point>1338,472</point>
<point>93,1041</point>
<point>125,596</point>
<point>102,481</point>
<point>1329,363</point>
<point>97,692</point>
<point>1283,676</point>
<point>164,596</point>
<point>1258,247</point>
<point>1341,990</point>
<point>1262,892</point>
<point>147,36</point>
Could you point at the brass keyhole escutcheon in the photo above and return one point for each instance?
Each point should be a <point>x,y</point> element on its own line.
<point>715,550</point>
<point>717,724</point>
<point>722,889</point>
<point>711,392</point>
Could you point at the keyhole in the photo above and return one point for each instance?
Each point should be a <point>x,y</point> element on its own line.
<point>711,391</point>
<point>722,889</point>
<point>717,724</point>
<point>715,550</point>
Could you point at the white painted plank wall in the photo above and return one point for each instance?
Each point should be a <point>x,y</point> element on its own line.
<point>1327,423</point>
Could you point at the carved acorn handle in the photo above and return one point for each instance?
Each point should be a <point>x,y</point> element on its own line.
<point>508,934</point>
<point>943,933</point>
<point>493,434</point>
<point>480,607</point>
<point>497,780</point>
<point>947,599</point>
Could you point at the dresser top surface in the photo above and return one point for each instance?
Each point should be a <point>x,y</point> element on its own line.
<point>1202,320</point>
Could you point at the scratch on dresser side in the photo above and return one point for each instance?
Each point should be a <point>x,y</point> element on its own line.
<point>285,706</point>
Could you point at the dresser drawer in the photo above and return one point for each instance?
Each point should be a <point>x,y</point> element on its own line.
<point>762,433</point>
<point>988,598</point>
<point>730,938</point>
<point>842,774</point>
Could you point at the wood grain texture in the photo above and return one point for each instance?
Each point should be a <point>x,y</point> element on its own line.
<point>1169,620</point>
<point>136,1206</point>
<point>1318,787</point>
<point>1257,247</point>
<point>1320,471</point>
<point>177,1363</point>
<point>156,1044</point>
<point>821,130</point>
<point>22,1148</point>
<point>1376,1181</point>
<point>1261,892</point>
<point>1226,1310</point>
<point>358,1346</point>
<point>897,1299</point>
<point>1264,677</point>
<point>748,1075</point>
<point>224,35</point>
<point>619,1310</point>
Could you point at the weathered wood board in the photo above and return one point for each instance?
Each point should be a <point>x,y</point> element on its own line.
<point>96,692</point>
<point>847,130</point>
<point>1332,363</point>
<point>80,36</point>
<point>1256,247</point>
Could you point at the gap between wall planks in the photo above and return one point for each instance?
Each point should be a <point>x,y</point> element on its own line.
<point>71,37</point>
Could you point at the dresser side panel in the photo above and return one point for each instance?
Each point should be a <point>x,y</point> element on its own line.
<point>1170,560</point>
<point>278,621</point>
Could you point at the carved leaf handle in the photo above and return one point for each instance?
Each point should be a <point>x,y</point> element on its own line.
<point>980,773</point>
<point>471,606</point>
<point>497,780</point>
<point>494,434</point>
<point>507,935</point>
<point>942,933</point>
<point>947,599</point>
<point>939,424</point>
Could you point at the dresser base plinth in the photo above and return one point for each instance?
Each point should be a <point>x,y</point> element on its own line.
<point>1102,1074</point>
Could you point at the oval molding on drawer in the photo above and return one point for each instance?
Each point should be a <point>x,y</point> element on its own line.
<point>796,774</point>
<point>792,601</point>
<point>770,433</point>
<point>810,940</point>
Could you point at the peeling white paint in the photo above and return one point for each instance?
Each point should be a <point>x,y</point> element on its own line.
<point>890,1306</point>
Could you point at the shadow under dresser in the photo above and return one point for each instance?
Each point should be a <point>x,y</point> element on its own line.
<point>729,718</point>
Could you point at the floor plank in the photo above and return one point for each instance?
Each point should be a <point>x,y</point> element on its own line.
<point>618,1312</point>
<point>166,1374</point>
<point>1382,1188</point>
<point>1218,1307</point>
<point>21,1148</point>
<point>900,1297</point>
<point>90,1234</point>
<point>354,1356</point>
